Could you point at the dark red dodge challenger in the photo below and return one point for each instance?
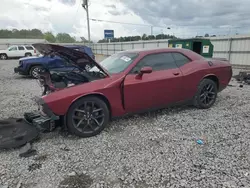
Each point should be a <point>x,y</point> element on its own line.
<point>87,98</point>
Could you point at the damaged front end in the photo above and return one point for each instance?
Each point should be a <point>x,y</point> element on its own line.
<point>44,119</point>
<point>78,68</point>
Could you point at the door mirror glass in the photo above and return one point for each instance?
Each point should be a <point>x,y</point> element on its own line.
<point>146,70</point>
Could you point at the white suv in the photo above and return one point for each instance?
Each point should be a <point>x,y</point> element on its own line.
<point>18,51</point>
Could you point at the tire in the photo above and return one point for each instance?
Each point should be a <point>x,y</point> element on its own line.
<point>33,71</point>
<point>3,56</point>
<point>206,94</point>
<point>84,129</point>
<point>28,54</point>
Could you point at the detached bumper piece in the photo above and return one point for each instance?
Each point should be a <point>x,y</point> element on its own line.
<point>15,133</point>
<point>43,123</point>
<point>19,70</point>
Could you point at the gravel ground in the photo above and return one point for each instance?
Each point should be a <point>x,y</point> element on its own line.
<point>156,150</point>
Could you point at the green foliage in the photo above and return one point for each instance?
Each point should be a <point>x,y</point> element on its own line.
<point>137,38</point>
<point>36,34</point>
<point>49,37</point>
<point>23,33</point>
<point>64,38</point>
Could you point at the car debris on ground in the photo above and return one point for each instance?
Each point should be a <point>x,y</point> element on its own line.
<point>15,132</point>
<point>243,77</point>
<point>27,151</point>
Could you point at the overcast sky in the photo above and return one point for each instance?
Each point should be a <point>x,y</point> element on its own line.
<point>184,17</point>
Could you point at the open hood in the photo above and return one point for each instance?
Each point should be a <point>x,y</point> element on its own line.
<point>77,58</point>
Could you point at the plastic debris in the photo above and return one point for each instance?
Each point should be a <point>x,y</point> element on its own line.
<point>15,133</point>
<point>200,142</point>
<point>27,151</point>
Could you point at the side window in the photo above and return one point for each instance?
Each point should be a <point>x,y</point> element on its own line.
<point>20,48</point>
<point>29,47</point>
<point>13,48</point>
<point>160,61</point>
<point>180,59</point>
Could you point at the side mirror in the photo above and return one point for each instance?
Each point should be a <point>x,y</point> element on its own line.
<point>146,70</point>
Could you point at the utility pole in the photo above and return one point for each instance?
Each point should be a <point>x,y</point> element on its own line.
<point>86,7</point>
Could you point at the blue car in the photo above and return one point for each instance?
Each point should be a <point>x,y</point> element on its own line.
<point>30,66</point>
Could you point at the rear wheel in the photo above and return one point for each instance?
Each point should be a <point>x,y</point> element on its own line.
<point>34,71</point>
<point>206,94</point>
<point>28,54</point>
<point>3,56</point>
<point>87,117</point>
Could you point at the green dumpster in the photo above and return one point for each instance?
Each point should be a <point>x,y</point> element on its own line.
<point>201,46</point>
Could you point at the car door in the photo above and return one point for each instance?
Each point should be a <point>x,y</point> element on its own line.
<point>189,75</point>
<point>13,51</point>
<point>157,89</point>
<point>21,51</point>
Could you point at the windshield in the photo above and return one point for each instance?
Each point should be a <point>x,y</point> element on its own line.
<point>117,62</point>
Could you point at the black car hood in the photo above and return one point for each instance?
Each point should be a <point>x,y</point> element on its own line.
<point>71,54</point>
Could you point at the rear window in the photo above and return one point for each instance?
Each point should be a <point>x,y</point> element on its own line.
<point>180,59</point>
<point>29,47</point>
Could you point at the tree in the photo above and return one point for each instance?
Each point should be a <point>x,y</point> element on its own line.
<point>144,37</point>
<point>64,38</point>
<point>206,35</point>
<point>49,37</point>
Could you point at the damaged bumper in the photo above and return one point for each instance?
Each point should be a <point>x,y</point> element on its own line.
<point>19,71</point>
<point>44,119</point>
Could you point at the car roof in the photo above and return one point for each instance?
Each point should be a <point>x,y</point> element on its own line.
<point>155,50</point>
<point>146,51</point>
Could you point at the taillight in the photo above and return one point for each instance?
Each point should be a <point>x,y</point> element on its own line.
<point>34,51</point>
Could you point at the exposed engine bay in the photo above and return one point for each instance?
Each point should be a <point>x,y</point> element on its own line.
<point>52,81</point>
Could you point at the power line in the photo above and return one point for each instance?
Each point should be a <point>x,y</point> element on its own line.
<point>98,20</point>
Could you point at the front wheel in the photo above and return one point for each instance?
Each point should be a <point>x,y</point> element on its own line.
<point>34,71</point>
<point>87,117</point>
<point>206,94</point>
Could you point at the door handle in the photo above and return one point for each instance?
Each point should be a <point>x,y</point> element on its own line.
<point>176,73</point>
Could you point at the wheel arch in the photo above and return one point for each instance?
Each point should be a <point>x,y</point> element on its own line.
<point>214,78</point>
<point>95,94</point>
<point>27,53</point>
<point>32,65</point>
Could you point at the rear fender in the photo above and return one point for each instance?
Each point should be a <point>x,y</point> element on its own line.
<point>212,75</point>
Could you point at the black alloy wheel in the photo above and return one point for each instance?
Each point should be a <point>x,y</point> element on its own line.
<point>206,94</point>
<point>87,117</point>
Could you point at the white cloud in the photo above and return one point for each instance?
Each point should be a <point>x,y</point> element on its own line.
<point>185,18</point>
<point>71,18</point>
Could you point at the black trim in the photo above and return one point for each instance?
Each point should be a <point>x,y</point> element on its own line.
<point>122,92</point>
<point>20,71</point>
